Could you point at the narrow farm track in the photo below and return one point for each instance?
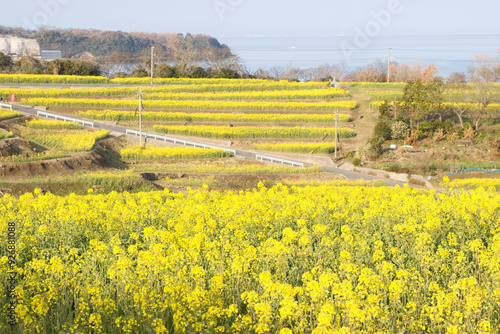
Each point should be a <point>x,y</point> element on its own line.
<point>246,154</point>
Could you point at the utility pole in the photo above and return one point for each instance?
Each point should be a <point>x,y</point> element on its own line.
<point>140,116</point>
<point>152,62</point>
<point>389,66</point>
<point>336,120</point>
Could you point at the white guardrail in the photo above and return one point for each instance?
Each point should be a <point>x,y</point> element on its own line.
<point>177,141</point>
<point>64,118</point>
<point>6,105</point>
<point>282,161</point>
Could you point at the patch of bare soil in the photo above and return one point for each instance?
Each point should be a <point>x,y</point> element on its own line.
<point>104,155</point>
<point>10,124</point>
<point>234,182</point>
<point>16,146</point>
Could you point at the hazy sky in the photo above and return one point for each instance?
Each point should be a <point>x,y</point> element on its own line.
<point>239,18</point>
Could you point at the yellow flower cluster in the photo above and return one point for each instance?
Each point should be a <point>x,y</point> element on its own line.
<point>48,124</point>
<point>7,114</point>
<point>474,183</point>
<point>194,105</point>
<point>491,107</point>
<point>113,115</point>
<point>65,140</point>
<point>297,147</point>
<point>189,92</point>
<point>155,152</point>
<point>313,260</point>
<point>51,79</point>
<point>4,134</point>
<point>253,131</point>
<point>253,95</point>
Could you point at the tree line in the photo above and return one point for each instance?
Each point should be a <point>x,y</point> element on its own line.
<point>438,110</point>
<point>101,43</point>
<point>482,68</point>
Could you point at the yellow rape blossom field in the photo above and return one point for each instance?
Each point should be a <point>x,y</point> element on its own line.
<point>154,152</point>
<point>195,92</point>
<point>324,259</point>
<point>297,147</point>
<point>65,140</point>
<point>473,183</point>
<point>7,114</point>
<point>46,124</point>
<point>194,105</point>
<point>113,115</point>
<point>253,131</point>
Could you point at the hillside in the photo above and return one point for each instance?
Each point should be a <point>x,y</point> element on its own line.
<point>75,42</point>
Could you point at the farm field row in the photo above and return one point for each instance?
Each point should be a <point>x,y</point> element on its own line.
<point>197,92</point>
<point>193,105</point>
<point>253,132</point>
<point>114,115</point>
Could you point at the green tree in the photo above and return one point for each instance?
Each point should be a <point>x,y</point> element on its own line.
<point>422,100</point>
<point>224,73</point>
<point>139,72</point>
<point>197,72</point>
<point>383,129</point>
<point>6,63</point>
<point>28,65</point>
<point>164,71</point>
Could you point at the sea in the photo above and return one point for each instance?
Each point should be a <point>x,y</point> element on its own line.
<point>448,53</point>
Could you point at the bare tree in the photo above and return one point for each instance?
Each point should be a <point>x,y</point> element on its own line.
<point>262,74</point>
<point>277,72</point>
<point>482,94</point>
<point>460,97</point>
<point>184,53</point>
<point>291,73</point>
<point>484,68</point>
<point>218,59</point>
<point>456,77</point>
<point>406,73</point>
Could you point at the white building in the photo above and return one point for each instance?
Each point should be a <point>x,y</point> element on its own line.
<point>18,47</point>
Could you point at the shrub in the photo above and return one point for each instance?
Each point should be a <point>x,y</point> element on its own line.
<point>383,130</point>
<point>399,130</point>
<point>198,72</point>
<point>356,162</point>
<point>376,145</point>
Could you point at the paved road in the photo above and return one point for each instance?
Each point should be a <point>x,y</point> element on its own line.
<point>120,129</point>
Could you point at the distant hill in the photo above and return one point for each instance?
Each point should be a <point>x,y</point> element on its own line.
<point>75,42</point>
